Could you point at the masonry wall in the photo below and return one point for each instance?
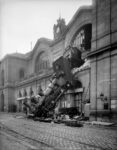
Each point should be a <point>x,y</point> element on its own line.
<point>14,66</point>
<point>4,67</point>
<point>3,90</point>
<point>57,50</point>
<point>104,21</point>
<point>103,60</point>
<point>101,24</point>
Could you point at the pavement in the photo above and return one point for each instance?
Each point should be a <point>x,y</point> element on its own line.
<point>61,137</point>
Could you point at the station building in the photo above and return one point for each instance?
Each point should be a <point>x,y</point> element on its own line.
<point>93,31</point>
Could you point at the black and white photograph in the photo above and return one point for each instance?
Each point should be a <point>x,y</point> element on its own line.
<point>58,74</point>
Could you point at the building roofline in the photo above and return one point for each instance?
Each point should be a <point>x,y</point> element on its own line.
<point>50,42</point>
<point>14,55</point>
<point>40,40</point>
<point>27,55</point>
<point>78,12</point>
<point>71,22</point>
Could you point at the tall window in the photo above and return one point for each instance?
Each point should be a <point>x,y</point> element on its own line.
<point>82,39</point>
<point>31,91</point>
<point>21,73</point>
<point>42,62</point>
<point>2,101</point>
<point>20,94</point>
<point>25,93</point>
<point>2,77</point>
<point>78,101</point>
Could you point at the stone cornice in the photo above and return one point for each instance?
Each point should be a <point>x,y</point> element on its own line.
<point>103,49</point>
<point>7,85</point>
<point>14,56</point>
<point>33,79</point>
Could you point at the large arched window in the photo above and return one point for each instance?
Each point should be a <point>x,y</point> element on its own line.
<point>42,62</point>
<point>82,39</point>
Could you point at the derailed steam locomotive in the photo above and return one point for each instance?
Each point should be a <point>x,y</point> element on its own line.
<point>62,80</point>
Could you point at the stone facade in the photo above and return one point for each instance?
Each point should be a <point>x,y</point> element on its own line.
<point>103,57</point>
<point>93,31</point>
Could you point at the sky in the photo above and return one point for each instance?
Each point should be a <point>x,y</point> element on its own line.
<point>23,22</point>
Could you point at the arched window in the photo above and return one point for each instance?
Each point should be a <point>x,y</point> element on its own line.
<point>42,62</point>
<point>20,94</point>
<point>21,73</point>
<point>2,101</point>
<point>31,91</point>
<point>2,77</point>
<point>82,39</point>
<point>25,93</point>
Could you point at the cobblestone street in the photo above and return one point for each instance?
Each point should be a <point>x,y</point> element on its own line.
<point>59,136</point>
